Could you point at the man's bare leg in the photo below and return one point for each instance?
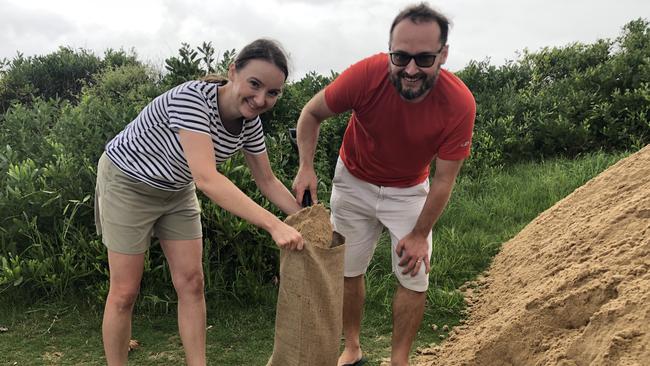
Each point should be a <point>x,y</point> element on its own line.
<point>408,310</point>
<point>354,295</point>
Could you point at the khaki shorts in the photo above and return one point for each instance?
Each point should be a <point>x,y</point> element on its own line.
<point>360,211</point>
<point>128,212</point>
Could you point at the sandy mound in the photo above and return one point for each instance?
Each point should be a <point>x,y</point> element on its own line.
<point>572,288</point>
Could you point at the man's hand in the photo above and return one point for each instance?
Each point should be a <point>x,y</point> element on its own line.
<point>413,251</point>
<point>305,179</point>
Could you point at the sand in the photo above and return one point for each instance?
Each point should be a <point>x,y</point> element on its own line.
<point>572,288</point>
<point>314,225</point>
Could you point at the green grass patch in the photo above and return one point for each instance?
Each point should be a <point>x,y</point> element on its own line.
<point>484,212</point>
<point>59,334</point>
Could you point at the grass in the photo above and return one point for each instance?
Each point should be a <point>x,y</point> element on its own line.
<point>484,212</point>
<point>58,334</point>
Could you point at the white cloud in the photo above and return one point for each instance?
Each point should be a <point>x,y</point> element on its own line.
<point>320,35</point>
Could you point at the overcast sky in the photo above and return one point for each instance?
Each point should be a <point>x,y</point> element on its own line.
<point>320,35</point>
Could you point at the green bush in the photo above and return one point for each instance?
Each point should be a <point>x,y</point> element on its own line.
<point>562,101</point>
<point>59,110</point>
<point>59,75</point>
<point>49,156</point>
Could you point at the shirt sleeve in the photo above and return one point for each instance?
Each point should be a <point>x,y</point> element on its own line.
<point>254,137</point>
<point>346,91</point>
<point>188,110</point>
<point>458,145</point>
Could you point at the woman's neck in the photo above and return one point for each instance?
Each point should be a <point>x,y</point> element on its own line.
<point>228,110</point>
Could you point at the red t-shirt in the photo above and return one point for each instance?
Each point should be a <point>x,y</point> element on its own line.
<point>392,142</point>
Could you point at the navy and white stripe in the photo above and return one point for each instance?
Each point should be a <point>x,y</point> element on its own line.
<point>149,150</point>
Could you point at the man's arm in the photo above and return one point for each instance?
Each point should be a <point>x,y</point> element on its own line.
<point>314,112</point>
<point>413,248</point>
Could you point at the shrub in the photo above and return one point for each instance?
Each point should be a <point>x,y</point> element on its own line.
<point>59,110</point>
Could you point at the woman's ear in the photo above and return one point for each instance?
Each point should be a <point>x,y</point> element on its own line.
<point>231,71</point>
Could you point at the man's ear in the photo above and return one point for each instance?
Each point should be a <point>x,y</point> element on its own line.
<point>443,54</point>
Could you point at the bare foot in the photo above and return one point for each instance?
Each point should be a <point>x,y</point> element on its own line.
<point>349,356</point>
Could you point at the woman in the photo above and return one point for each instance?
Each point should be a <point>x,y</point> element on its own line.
<point>146,183</point>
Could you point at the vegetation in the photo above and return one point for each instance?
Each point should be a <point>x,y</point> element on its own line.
<point>486,211</point>
<point>563,101</point>
<point>57,111</point>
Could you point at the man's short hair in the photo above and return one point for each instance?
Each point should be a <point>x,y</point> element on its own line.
<point>422,13</point>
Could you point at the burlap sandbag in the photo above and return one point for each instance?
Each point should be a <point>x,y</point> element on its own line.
<point>310,300</point>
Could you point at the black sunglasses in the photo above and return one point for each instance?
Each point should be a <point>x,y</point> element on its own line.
<point>402,59</point>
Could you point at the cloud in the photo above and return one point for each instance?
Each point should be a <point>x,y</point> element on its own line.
<point>320,35</point>
<point>31,31</point>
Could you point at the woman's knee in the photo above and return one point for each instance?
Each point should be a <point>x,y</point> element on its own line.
<point>189,283</point>
<point>123,297</point>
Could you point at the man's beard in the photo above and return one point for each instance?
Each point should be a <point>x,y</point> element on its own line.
<point>411,94</point>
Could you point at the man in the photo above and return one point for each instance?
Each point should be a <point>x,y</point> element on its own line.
<point>406,113</point>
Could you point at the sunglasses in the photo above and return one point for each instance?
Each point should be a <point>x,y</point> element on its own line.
<point>402,59</point>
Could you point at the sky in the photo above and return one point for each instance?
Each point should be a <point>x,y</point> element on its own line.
<point>319,35</point>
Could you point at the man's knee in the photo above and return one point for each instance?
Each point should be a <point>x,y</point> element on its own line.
<point>411,292</point>
<point>353,279</point>
<point>416,284</point>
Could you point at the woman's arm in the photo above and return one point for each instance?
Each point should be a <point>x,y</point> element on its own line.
<point>199,153</point>
<point>269,184</point>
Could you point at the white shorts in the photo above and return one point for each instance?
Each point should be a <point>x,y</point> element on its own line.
<point>360,211</point>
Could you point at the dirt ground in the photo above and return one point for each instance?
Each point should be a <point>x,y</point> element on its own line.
<point>571,289</point>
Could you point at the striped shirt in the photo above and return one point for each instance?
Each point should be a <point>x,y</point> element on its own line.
<point>149,149</point>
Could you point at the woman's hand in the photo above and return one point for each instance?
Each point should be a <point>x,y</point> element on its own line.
<point>286,237</point>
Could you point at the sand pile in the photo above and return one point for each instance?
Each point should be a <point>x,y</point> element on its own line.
<point>572,288</point>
